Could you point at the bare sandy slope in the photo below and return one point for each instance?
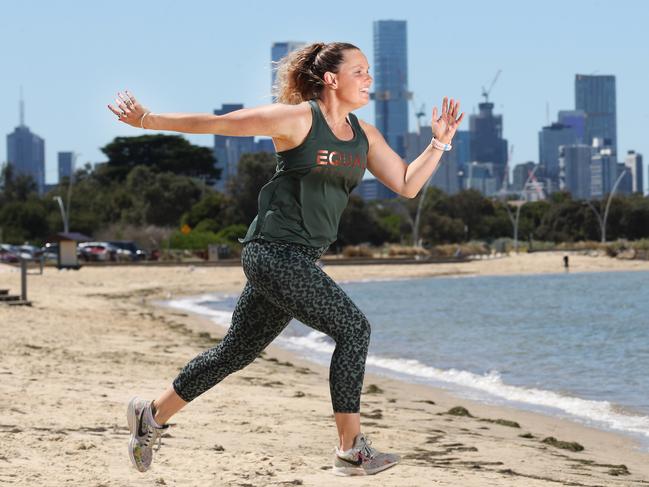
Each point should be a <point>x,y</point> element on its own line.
<point>92,339</point>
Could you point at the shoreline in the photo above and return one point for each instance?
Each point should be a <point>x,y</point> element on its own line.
<point>94,337</point>
<point>214,324</point>
<point>540,425</point>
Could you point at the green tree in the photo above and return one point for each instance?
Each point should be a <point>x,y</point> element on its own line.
<point>437,228</point>
<point>161,198</point>
<point>94,203</point>
<point>616,223</point>
<point>16,187</point>
<point>436,222</point>
<point>531,216</point>
<point>213,209</point>
<point>232,233</point>
<point>395,217</point>
<point>161,153</point>
<point>253,172</point>
<point>471,207</point>
<point>392,225</point>
<point>563,222</point>
<point>636,218</point>
<point>357,225</point>
<point>23,221</point>
<point>499,224</point>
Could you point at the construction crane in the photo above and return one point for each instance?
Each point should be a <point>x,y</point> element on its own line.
<point>485,92</point>
<point>418,114</point>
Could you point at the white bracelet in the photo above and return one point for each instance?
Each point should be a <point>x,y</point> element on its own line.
<point>440,145</point>
<point>142,120</point>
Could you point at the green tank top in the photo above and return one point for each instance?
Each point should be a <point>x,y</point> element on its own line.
<point>304,199</point>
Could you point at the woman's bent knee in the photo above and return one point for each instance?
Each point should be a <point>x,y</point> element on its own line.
<point>357,331</point>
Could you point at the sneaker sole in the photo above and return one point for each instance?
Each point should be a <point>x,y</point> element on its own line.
<point>131,417</point>
<point>355,471</point>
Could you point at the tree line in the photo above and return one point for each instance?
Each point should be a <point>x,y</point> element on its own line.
<point>165,182</point>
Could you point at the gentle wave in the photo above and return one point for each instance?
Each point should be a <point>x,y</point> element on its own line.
<point>196,305</point>
<point>372,279</point>
<point>602,412</point>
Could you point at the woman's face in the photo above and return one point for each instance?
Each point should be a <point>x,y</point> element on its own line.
<point>353,78</point>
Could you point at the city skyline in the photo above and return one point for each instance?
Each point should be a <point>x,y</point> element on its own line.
<point>67,109</point>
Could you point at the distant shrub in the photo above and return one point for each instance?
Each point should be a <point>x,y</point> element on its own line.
<point>406,251</point>
<point>358,251</point>
<point>232,233</point>
<point>197,241</point>
<point>194,240</point>
<point>582,245</point>
<point>460,250</point>
<point>538,245</point>
<point>207,225</point>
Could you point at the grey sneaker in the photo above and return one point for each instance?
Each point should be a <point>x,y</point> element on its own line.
<point>362,459</point>
<point>144,433</point>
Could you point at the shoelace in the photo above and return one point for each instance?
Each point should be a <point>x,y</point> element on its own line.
<point>367,449</point>
<point>151,438</point>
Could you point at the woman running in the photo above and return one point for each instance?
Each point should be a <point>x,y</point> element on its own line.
<point>322,153</point>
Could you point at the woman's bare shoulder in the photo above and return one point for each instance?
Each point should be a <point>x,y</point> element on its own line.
<point>370,130</point>
<point>299,118</point>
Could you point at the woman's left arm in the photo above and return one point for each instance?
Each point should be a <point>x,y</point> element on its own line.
<point>407,179</point>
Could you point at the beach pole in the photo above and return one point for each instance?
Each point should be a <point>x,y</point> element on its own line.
<point>23,279</point>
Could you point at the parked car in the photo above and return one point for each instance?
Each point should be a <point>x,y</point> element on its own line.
<point>97,251</point>
<point>135,253</point>
<point>50,251</point>
<point>8,254</point>
<point>28,252</point>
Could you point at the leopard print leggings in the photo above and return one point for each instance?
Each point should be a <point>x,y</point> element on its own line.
<point>284,282</point>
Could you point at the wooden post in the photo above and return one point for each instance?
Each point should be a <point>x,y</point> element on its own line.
<point>23,279</point>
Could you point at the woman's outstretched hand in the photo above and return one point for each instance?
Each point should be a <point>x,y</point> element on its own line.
<point>446,124</point>
<point>128,110</point>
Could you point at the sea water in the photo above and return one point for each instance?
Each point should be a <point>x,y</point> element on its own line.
<point>571,345</point>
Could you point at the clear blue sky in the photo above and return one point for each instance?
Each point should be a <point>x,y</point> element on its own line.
<point>72,56</point>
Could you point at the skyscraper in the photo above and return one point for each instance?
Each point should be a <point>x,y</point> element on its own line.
<point>264,145</point>
<point>278,51</point>
<point>482,176</point>
<point>487,144</point>
<point>603,169</point>
<point>462,148</point>
<point>391,93</point>
<point>633,163</point>
<point>66,165</point>
<point>371,189</point>
<point>595,95</point>
<point>550,139</point>
<point>625,185</point>
<point>577,120</point>
<point>26,151</point>
<point>574,174</point>
<point>446,174</point>
<point>228,150</point>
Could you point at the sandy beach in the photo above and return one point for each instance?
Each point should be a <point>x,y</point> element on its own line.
<point>95,337</point>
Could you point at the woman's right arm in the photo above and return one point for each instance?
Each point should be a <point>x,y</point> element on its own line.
<point>276,120</point>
